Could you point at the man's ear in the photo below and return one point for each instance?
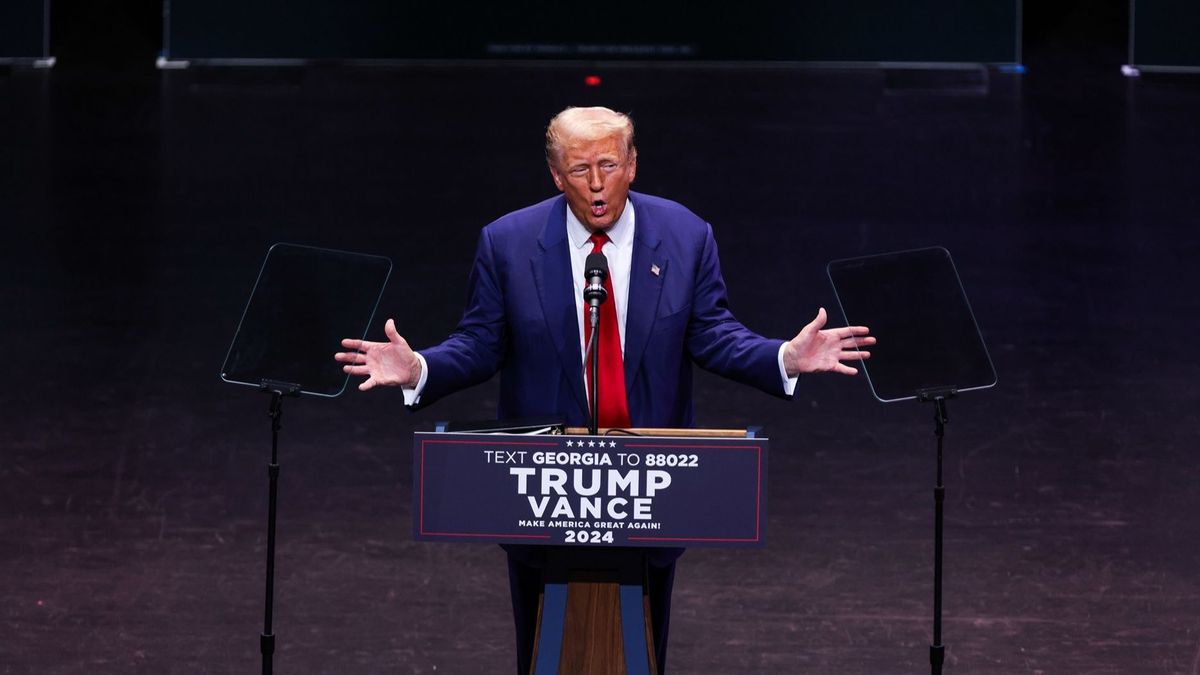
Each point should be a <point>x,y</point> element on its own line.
<point>633,165</point>
<point>558,181</point>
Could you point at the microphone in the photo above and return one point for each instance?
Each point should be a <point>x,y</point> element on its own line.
<point>595,271</point>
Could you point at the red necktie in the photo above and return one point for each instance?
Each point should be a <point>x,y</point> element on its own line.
<point>613,411</point>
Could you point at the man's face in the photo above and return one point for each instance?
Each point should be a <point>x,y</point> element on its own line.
<point>595,176</point>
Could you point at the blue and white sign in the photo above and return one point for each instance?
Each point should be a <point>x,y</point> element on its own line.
<point>590,490</point>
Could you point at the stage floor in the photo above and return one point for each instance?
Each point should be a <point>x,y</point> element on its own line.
<point>137,207</point>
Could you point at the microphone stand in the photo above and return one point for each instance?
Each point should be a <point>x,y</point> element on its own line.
<point>593,365</point>
<point>594,294</point>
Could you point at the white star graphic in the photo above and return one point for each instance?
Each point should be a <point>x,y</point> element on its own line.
<point>591,444</point>
<point>570,444</point>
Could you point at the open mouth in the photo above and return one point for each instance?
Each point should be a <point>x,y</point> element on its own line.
<point>599,208</point>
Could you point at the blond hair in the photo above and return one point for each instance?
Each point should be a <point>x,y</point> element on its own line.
<point>588,124</point>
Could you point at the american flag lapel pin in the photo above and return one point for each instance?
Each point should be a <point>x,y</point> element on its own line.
<point>654,269</point>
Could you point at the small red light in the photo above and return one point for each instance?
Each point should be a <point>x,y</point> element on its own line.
<point>592,80</point>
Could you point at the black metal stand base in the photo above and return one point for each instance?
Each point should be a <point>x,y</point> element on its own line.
<point>266,645</point>
<point>937,655</point>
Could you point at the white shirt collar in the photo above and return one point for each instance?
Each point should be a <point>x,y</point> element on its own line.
<point>621,232</point>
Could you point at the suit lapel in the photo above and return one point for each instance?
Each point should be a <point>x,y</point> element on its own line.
<point>552,277</point>
<point>649,268</point>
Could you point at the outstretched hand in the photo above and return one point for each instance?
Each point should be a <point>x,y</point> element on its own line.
<point>815,350</point>
<point>384,363</point>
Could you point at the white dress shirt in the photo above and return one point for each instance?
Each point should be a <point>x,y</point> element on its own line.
<point>618,250</point>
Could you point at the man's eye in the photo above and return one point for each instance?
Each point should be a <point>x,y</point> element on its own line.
<point>579,171</point>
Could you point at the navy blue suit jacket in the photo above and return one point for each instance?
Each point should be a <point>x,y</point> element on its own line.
<point>520,319</point>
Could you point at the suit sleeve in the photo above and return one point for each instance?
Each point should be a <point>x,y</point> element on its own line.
<point>718,342</point>
<point>474,352</point>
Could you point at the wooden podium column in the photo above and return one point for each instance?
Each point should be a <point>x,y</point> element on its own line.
<point>594,615</point>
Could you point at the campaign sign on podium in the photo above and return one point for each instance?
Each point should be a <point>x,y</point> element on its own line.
<point>590,490</point>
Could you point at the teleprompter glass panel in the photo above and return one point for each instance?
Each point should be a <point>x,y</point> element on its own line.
<point>305,301</point>
<point>914,304</point>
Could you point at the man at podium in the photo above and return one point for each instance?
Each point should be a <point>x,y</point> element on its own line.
<point>666,311</point>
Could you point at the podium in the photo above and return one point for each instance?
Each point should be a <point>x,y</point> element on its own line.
<point>599,504</point>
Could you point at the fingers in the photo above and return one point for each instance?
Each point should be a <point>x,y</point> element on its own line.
<point>819,322</point>
<point>847,332</point>
<point>389,329</point>
<point>356,359</point>
<point>848,355</point>
<point>848,342</point>
<point>833,345</point>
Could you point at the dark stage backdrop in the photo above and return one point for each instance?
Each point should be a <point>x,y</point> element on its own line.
<point>22,33</point>
<point>986,31</point>
<point>1165,33</point>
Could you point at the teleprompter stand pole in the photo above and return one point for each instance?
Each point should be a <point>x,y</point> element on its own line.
<point>277,390</point>
<point>937,650</point>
